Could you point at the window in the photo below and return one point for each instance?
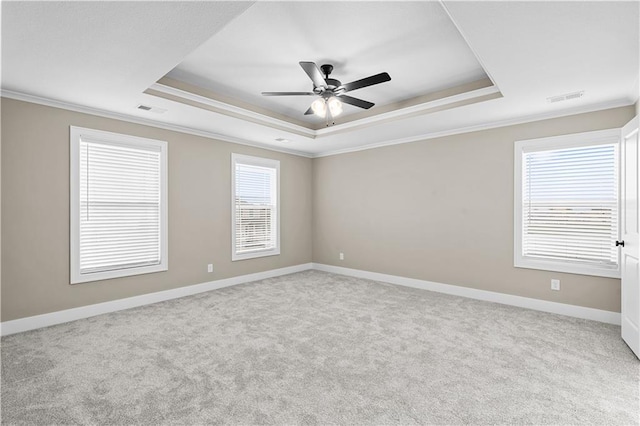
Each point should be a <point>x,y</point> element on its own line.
<point>566,203</point>
<point>255,207</point>
<point>118,205</point>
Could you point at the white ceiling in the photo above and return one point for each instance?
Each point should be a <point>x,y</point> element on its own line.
<point>415,42</point>
<point>102,57</point>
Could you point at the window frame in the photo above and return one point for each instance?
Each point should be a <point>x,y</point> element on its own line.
<point>76,134</point>
<point>600,137</point>
<point>260,162</point>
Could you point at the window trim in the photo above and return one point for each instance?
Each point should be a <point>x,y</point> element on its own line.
<point>75,135</point>
<point>262,162</point>
<point>599,137</point>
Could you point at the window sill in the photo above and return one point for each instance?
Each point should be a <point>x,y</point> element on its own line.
<point>78,278</point>
<point>255,254</point>
<point>568,268</point>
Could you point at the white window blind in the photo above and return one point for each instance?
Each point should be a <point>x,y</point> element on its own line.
<point>120,208</point>
<point>255,207</point>
<point>569,208</point>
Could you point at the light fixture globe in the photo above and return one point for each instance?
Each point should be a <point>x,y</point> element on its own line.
<point>335,106</point>
<point>319,107</point>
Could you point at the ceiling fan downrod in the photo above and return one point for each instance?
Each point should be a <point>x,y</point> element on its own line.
<point>326,69</point>
<point>332,83</point>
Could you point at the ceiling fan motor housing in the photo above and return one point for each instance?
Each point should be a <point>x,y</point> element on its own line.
<point>330,90</point>
<point>332,83</point>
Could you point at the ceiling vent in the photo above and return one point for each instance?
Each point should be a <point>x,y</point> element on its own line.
<point>565,97</point>
<point>151,108</point>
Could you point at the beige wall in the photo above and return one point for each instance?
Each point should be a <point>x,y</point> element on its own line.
<point>439,210</point>
<point>442,210</point>
<point>35,212</point>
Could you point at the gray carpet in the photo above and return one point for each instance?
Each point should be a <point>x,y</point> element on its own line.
<point>318,348</point>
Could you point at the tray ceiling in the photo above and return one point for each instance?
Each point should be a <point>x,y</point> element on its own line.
<point>456,66</point>
<point>415,42</point>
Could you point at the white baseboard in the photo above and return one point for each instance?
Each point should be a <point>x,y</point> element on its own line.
<point>488,296</point>
<point>45,320</point>
<point>59,317</point>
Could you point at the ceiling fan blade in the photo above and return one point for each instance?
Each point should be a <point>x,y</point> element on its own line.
<point>369,81</point>
<point>287,93</point>
<point>355,101</point>
<point>314,74</point>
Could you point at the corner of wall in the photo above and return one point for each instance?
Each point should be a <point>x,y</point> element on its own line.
<point>0,204</point>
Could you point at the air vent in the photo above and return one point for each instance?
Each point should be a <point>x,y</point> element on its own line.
<point>151,108</point>
<point>565,97</point>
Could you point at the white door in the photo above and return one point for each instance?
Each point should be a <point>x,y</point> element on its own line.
<point>630,228</point>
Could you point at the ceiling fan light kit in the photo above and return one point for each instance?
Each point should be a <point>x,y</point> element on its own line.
<point>335,106</point>
<point>319,107</point>
<point>332,91</point>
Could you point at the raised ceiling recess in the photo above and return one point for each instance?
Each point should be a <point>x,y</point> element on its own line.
<point>200,67</point>
<point>414,42</point>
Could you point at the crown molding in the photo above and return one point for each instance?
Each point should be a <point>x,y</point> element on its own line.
<point>210,135</point>
<point>228,109</point>
<point>401,113</point>
<point>480,127</point>
<point>189,97</point>
<point>143,121</point>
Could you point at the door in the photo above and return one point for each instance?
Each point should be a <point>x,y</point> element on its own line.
<point>630,228</point>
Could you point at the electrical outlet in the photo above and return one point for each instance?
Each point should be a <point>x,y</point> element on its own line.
<point>555,285</point>
<point>210,267</point>
<point>341,256</point>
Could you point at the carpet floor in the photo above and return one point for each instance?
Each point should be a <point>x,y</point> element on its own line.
<point>319,348</point>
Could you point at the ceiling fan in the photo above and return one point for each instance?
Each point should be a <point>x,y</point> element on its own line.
<point>332,91</point>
